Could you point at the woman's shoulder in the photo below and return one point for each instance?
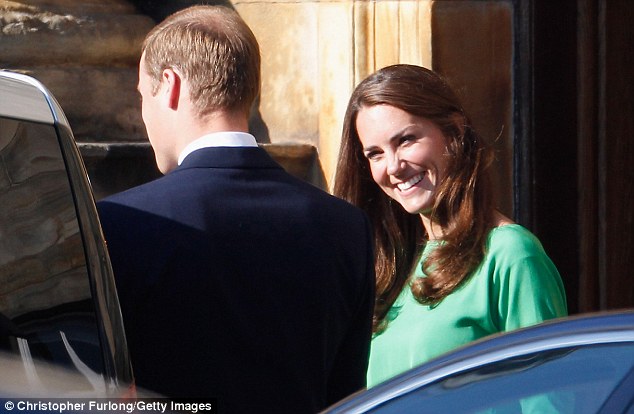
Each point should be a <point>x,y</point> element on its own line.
<point>513,238</point>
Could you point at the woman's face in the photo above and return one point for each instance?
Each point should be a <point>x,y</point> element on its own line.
<point>407,155</point>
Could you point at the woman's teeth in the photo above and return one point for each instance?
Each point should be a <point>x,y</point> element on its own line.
<point>410,183</point>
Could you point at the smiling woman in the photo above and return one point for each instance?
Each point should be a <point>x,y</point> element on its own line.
<point>450,267</point>
<point>407,155</point>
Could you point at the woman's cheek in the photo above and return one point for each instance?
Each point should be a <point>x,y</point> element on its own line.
<point>378,172</point>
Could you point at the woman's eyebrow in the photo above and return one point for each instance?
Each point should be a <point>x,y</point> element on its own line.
<point>397,135</point>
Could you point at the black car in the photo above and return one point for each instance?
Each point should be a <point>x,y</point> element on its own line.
<point>58,304</point>
<point>581,364</point>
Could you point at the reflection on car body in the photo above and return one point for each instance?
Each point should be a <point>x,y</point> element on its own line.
<point>57,298</point>
<point>582,364</point>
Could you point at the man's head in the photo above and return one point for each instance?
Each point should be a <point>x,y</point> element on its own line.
<point>199,73</point>
<point>214,50</point>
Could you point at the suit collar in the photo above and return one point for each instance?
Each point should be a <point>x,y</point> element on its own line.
<point>229,157</point>
<point>219,139</point>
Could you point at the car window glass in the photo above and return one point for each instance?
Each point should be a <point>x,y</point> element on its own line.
<point>576,380</point>
<point>46,310</point>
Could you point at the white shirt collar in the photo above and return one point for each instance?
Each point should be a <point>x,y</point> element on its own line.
<point>219,139</point>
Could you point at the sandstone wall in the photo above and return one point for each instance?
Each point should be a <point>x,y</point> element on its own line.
<point>314,53</point>
<point>86,53</point>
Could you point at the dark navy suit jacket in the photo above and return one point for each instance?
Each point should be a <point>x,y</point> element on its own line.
<point>240,282</point>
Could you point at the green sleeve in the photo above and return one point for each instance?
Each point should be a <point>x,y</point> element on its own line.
<point>530,292</point>
<point>528,285</point>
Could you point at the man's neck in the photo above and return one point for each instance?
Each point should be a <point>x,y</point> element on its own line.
<point>221,121</point>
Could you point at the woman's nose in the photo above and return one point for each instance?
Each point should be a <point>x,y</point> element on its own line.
<point>395,164</point>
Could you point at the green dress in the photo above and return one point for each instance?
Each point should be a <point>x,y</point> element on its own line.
<point>515,286</point>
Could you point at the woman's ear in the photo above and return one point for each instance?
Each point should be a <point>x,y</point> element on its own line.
<point>459,121</point>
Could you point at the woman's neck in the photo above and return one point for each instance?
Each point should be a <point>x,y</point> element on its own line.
<point>434,230</point>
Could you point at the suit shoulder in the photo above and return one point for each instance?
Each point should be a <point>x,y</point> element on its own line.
<point>142,194</point>
<point>328,199</point>
<point>150,187</point>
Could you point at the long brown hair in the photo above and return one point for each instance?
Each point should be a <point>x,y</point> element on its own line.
<point>463,204</point>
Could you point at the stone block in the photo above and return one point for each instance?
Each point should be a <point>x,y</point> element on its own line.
<point>70,33</point>
<point>101,103</point>
<point>114,167</point>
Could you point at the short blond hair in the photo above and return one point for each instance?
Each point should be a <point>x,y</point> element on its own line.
<point>214,50</point>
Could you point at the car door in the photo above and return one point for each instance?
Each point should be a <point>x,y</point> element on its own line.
<point>58,304</point>
<point>582,364</point>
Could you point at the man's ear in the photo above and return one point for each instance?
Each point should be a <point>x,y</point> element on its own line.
<point>172,93</point>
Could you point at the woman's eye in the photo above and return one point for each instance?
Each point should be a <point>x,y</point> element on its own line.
<point>407,138</point>
<point>372,155</point>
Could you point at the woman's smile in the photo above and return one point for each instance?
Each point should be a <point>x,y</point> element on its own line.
<point>411,182</point>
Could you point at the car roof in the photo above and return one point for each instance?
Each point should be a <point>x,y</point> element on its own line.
<point>24,97</point>
<point>605,327</point>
